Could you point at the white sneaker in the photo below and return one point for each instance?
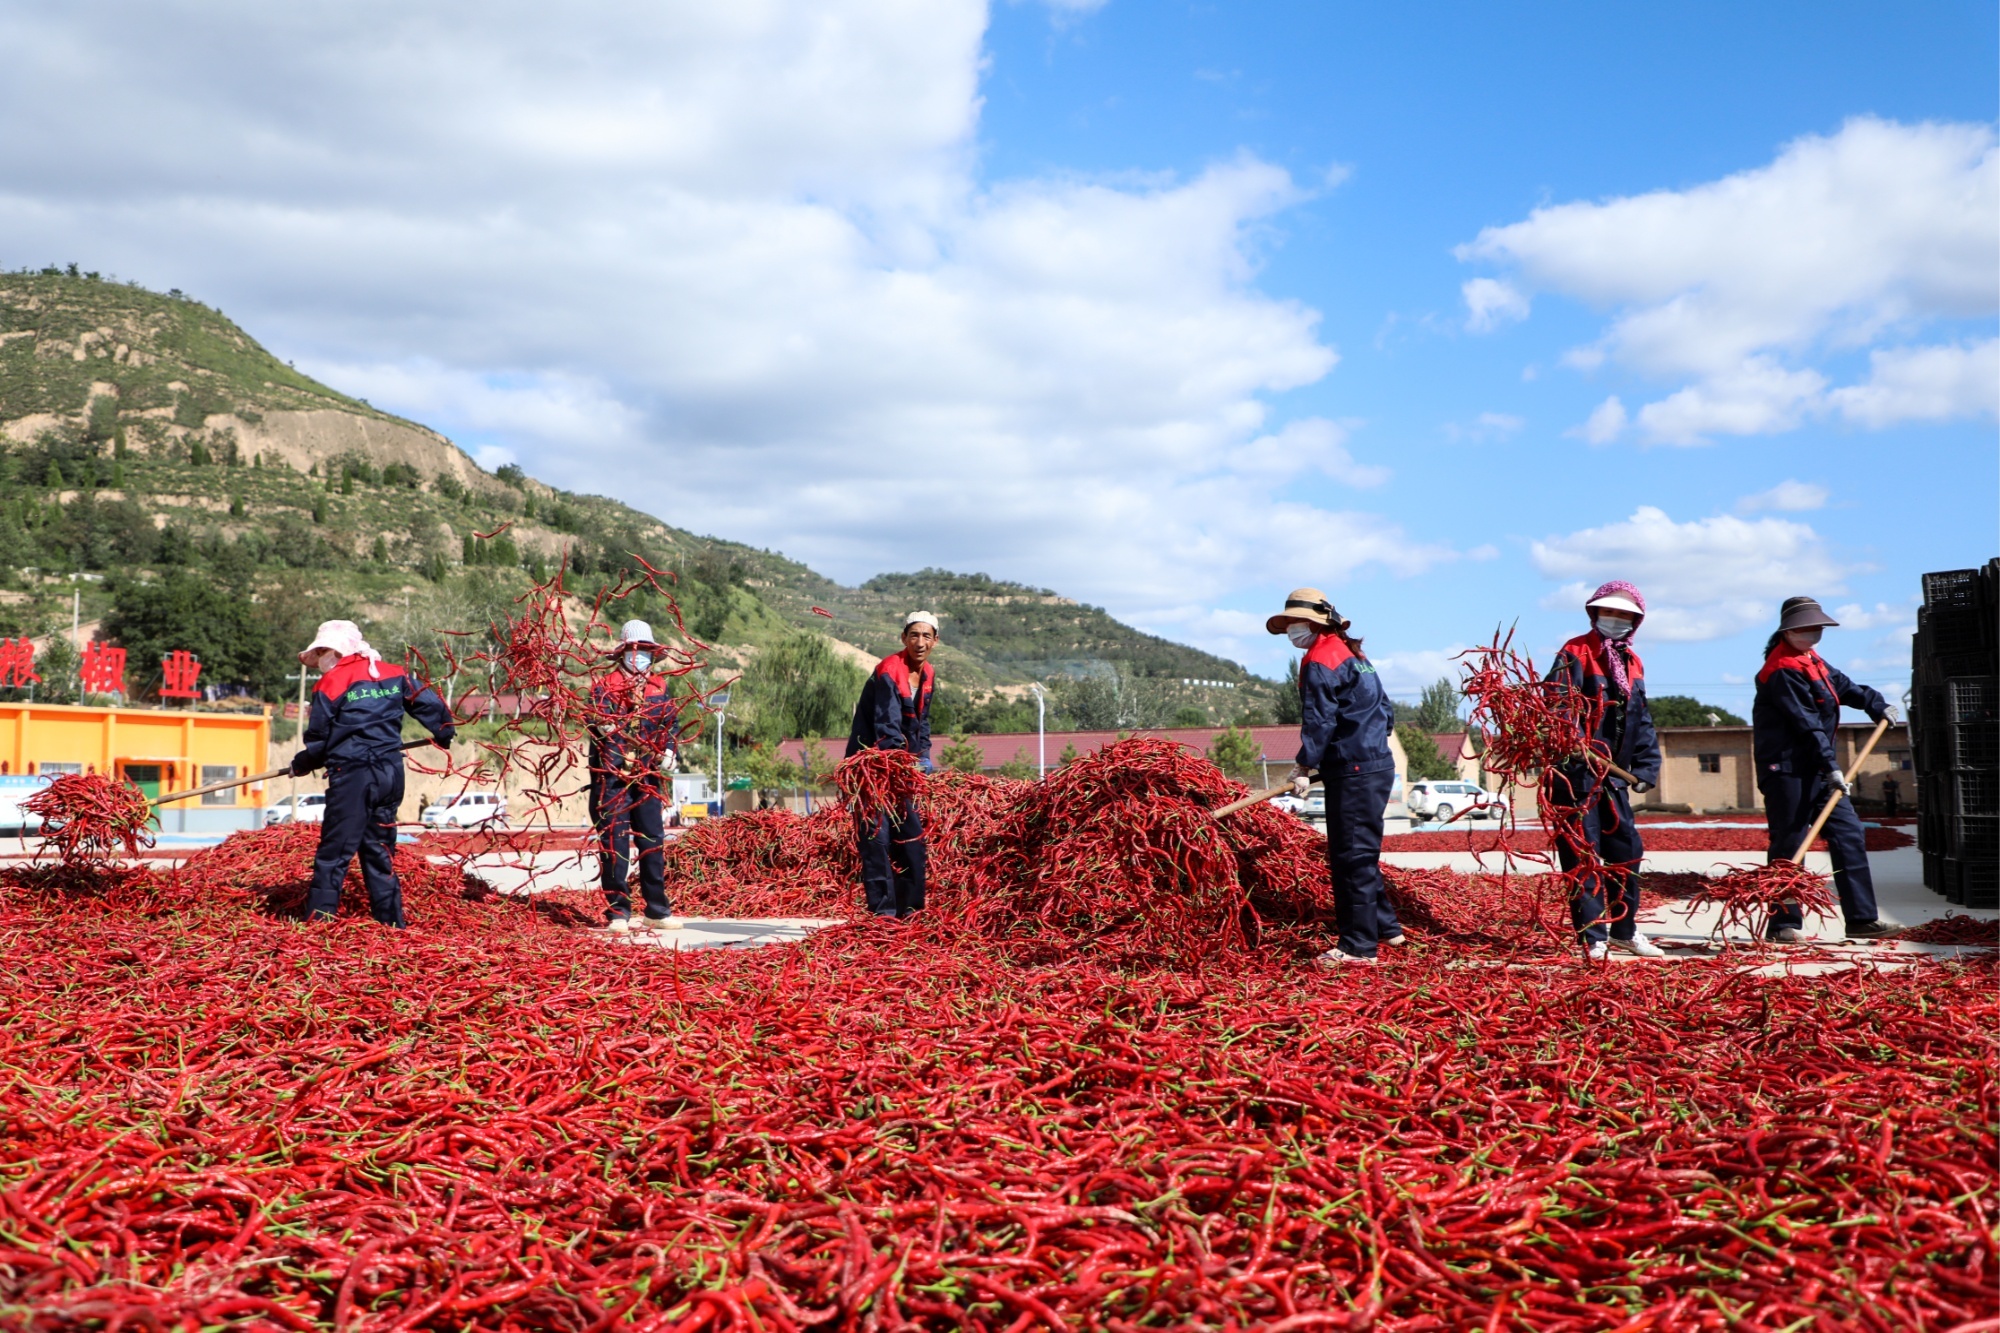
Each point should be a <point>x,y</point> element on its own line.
<point>1335,957</point>
<point>1639,945</point>
<point>619,925</point>
<point>1397,938</point>
<point>664,923</point>
<point>1598,952</point>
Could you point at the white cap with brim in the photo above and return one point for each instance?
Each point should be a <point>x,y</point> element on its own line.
<point>920,618</point>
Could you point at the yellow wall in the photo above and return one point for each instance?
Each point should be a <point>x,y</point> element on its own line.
<point>108,739</point>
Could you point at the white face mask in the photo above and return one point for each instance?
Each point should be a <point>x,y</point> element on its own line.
<point>1301,635</point>
<point>637,662</point>
<point>1803,639</point>
<point>1611,627</point>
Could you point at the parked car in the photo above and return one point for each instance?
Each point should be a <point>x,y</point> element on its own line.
<point>311,810</point>
<point>468,809</point>
<point>1438,801</point>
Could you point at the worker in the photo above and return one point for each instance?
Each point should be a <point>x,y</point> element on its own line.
<point>1345,721</point>
<point>1792,723</point>
<point>894,713</point>
<point>633,722</point>
<point>355,732</point>
<point>1590,807</point>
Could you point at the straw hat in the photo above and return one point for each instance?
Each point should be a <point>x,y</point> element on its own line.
<point>1307,604</point>
<point>1802,613</point>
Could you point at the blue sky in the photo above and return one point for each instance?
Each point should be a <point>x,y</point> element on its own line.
<point>1448,309</point>
<point>1444,121</point>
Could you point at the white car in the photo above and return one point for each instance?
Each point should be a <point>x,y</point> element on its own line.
<point>1436,801</point>
<point>311,810</point>
<point>468,809</point>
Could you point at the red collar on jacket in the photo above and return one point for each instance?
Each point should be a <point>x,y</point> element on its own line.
<point>618,684</point>
<point>1329,650</point>
<point>1784,657</point>
<point>897,668</point>
<point>1593,648</point>
<point>348,670</point>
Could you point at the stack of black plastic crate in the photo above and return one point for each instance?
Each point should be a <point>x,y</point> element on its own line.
<point>1955,733</point>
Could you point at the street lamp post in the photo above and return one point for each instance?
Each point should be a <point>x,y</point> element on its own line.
<point>1041,730</point>
<point>721,702</point>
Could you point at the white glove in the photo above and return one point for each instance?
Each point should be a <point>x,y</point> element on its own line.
<point>1889,712</point>
<point>1840,781</point>
<point>1301,780</point>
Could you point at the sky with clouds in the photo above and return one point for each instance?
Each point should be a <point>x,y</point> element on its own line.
<point>1453,310</point>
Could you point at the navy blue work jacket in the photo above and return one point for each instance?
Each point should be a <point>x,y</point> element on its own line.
<point>894,712</point>
<point>1345,719</point>
<point>357,716</point>
<point>1625,730</point>
<point>1798,706</point>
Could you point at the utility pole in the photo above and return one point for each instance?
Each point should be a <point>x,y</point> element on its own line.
<point>299,736</point>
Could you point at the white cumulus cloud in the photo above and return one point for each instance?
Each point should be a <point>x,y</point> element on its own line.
<point>1788,496</point>
<point>1703,579</point>
<point>1489,303</point>
<point>1923,384</point>
<point>1743,287</point>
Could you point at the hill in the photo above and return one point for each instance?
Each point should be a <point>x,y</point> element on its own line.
<point>145,434</point>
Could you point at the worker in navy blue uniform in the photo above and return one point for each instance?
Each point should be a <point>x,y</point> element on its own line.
<point>1792,723</point>
<point>355,732</point>
<point>633,725</point>
<point>1587,802</point>
<point>894,713</point>
<point>1345,721</point>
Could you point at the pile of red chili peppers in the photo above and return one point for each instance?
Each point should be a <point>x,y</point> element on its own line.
<point>87,815</point>
<point>214,1116</point>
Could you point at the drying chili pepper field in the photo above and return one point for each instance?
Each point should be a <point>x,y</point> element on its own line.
<point>215,1116</point>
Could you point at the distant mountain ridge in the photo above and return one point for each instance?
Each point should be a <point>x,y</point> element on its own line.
<point>213,437</point>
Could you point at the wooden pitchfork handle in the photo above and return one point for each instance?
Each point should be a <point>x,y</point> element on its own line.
<point>1254,798</point>
<point>1833,798</point>
<point>256,777</point>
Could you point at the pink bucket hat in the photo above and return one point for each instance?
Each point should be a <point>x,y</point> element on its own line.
<point>1618,595</point>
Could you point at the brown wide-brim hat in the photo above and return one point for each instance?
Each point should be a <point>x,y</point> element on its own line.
<point>1802,613</point>
<point>1307,604</point>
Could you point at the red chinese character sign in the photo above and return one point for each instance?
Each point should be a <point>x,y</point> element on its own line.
<point>103,669</point>
<point>179,670</point>
<point>17,663</point>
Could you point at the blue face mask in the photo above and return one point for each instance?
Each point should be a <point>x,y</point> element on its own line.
<point>638,662</point>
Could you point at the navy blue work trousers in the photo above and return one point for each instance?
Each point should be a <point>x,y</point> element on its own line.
<point>630,825</point>
<point>1355,803</point>
<point>361,803</point>
<point>893,861</point>
<point>1605,898</point>
<point>1791,804</point>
